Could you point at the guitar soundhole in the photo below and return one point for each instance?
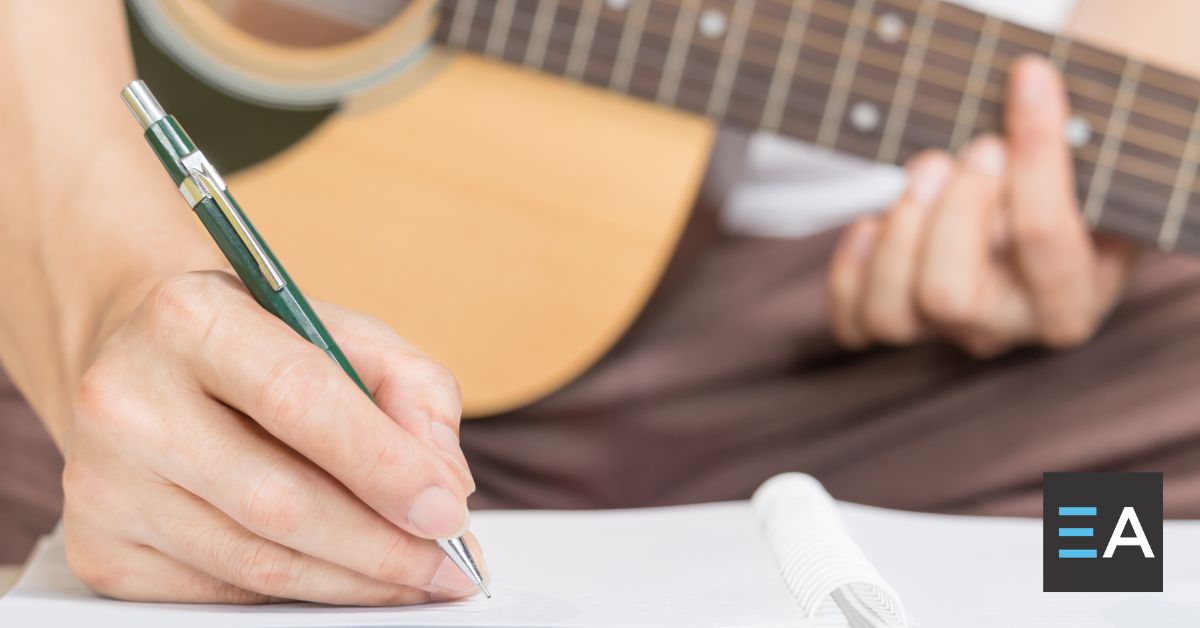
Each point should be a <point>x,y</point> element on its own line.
<point>253,97</point>
<point>235,133</point>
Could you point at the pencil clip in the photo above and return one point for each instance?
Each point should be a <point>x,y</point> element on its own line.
<point>204,180</point>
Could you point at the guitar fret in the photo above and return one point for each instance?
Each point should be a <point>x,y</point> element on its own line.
<point>585,30</point>
<point>539,39</point>
<point>731,57</point>
<point>914,58</point>
<point>681,40</point>
<point>785,65</point>
<point>1059,51</point>
<point>460,28</point>
<point>835,107</point>
<point>981,61</point>
<point>1181,193</point>
<point>631,38</point>
<point>877,78</point>
<point>1113,132</point>
<point>498,33</point>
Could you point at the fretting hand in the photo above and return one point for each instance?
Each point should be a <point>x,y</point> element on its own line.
<point>989,250</point>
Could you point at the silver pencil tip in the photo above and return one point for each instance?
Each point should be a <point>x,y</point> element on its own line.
<point>456,549</point>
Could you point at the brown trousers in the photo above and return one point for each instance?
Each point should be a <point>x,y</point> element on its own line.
<point>730,377</point>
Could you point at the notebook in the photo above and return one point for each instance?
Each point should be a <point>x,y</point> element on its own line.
<point>789,557</point>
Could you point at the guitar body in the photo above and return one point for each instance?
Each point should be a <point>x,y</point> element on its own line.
<point>512,223</point>
<point>507,223</point>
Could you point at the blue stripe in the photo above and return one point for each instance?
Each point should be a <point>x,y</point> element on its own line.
<point>1075,532</point>
<point>1077,511</point>
<point>1076,553</point>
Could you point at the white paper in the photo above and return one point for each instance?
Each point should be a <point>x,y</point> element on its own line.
<point>703,565</point>
<point>689,566</point>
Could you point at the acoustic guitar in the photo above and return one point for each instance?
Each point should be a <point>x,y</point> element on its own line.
<point>504,181</point>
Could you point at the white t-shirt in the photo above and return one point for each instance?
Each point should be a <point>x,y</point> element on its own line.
<point>787,188</point>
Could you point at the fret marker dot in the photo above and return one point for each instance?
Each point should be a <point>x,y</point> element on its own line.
<point>1078,132</point>
<point>712,23</point>
<point>864,116</point>
<point>617,5</point>
<point>890,27</point>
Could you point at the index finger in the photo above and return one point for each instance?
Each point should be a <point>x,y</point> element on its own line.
<point>258,365</point>
<point>1053,249</point>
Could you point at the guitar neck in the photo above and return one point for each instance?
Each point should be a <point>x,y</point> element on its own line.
<point>881,79</point>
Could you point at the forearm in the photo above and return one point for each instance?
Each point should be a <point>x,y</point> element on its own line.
<point>89,221</point>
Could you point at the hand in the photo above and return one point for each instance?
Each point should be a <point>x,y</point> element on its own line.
<point>216,456</point>
<point>989,251</point>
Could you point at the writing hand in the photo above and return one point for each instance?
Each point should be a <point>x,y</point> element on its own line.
<point>216,456</point>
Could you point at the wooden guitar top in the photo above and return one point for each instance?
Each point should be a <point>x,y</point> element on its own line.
<point>509,224</point>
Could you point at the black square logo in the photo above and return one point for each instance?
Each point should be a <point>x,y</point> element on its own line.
<point>1102,532</point>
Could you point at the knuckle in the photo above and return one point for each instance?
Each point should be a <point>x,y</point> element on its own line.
<point>443,397</point>
<point>944,304</point>
<point>434,374</point>
<point>1035,232</point>
<point>180,303</point>
<point>269,569</point>
<point>105,409</point>
<point>378,473</point>
<point>396,563</point>
<point>290,388</point>
<point>95,396</point>
<point>273,505</point>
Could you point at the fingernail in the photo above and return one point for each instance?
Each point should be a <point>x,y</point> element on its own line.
<point>446,440</point>
<point>927,178</point>
<point>449,579</point>
<point>986,155</point>
<point>862,239</point>
<point>437,513</point>
<point>1033,83</point>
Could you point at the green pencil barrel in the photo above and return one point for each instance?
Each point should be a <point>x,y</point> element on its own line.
<point>288,303</point>
<point>171,144</point>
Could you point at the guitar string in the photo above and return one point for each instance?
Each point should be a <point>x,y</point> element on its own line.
<point>915,135</point>
<point>879,90</point>
<point>1142,137</point>
<point>960,16</point>
<point>1080,86</point>
<point>1112,199</point>
<point>1181,115</point>
<point>1147,139</point>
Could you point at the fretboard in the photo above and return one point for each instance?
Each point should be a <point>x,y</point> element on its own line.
<point>881,79</point>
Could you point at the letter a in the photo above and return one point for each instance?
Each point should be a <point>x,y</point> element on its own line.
<point>1128,515</point>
